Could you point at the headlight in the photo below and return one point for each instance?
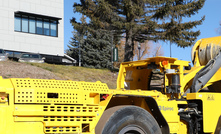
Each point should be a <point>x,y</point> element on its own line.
<point>21,60</point>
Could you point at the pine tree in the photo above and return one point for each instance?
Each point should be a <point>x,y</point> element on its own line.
<point>144,20</point>
<point>74,46</point>
<point>92,46</point>
<point>96,52</point>
<point>77,41</point>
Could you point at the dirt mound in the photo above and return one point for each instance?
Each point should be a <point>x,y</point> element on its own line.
<point>11,69</point>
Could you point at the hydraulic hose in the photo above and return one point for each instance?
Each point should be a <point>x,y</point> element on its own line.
<point>205,74</point>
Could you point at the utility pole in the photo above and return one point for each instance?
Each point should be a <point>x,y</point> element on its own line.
<point>170,46</point>
<point>139,50</point>
<point>112,47</point>
<point>170,50</point>
<point>79,54</point>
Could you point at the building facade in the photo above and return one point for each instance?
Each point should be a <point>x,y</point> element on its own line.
<point>33,26</point>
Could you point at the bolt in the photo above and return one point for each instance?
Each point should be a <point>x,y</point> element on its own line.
<point>97,114</point>
<point>16,108</point>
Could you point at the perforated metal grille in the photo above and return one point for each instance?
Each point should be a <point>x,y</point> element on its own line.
<point>33,96</point>
<point>49,84</point>
<point>72,97</point>
<point>62,106</point>
<point>61,129</point>
<point>70,109</point>
<point>97,87</point>
<point>60,118</point>
<point>65,92</point>
<point>69,97</point>
<point>25,96</point>
<point>69,118</point>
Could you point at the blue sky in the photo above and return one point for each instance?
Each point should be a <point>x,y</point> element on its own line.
<point>211,10</point>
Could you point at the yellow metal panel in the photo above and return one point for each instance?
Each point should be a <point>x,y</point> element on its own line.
<point>62,130</point>
<point>45,110</point>
<point>185,82</point>
<point>3,121</point>
<point>138,92</point>
<point>51,106</point>
<point>183,128</point>
<point>169,109</point>
<point>174,127</point>
<point>211,110</point>
<point>68,92</point>
<point>28,128</point>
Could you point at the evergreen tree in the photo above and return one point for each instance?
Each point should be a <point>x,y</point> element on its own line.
<point>77,41</point>
<point>74,45</point>
<point>144,20</point>
<point>96,51</point>
<point>93,47</point>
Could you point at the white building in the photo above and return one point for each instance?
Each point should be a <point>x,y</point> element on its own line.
<point>33,26</point>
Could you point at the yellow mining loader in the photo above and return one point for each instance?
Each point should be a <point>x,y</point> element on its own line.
<point>153,96</point>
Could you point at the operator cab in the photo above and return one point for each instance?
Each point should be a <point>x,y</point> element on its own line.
<point>158,73</point>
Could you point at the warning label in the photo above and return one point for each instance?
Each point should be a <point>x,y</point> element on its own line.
<point>210,97</point>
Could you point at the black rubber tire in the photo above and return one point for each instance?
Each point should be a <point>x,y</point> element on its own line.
<point>127,120</point>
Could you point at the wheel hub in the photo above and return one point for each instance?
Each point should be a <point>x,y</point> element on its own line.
<point>132,129</point>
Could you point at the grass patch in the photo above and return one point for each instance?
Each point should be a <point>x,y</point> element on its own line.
<point>81,73</point>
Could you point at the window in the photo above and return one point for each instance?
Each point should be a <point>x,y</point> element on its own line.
<point>24,23</point>
<point>2,51</point>
<point>39,26</point>
<point>53,28</point>
<point>46,27</point>
<point>32,25</point>
<point>17,23</point>
<point>31,56</point>
<point>36,24</point>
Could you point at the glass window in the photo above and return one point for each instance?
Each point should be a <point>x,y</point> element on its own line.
<point>17,23</point>
<point>25,56</point>
<point>2,51</point>
<point>35,56</point>
<point>36,25</point>
<point>24,23</point>
<point>46,27</point>
<point>39,26</point>
<point>53,28</point>
<point>32,28</point>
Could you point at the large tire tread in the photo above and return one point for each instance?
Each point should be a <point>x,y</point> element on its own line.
<point>116,118</point>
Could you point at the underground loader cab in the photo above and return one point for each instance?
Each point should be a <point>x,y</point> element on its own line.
<point>163,74</point>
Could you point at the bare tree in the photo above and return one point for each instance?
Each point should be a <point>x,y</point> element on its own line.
<point>147,49</point>
<point>158,51</point>
<point>218,30</point>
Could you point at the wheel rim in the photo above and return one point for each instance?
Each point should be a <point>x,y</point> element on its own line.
<point>132,129</point>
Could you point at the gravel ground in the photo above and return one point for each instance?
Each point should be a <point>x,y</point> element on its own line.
<point>11,69</point>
